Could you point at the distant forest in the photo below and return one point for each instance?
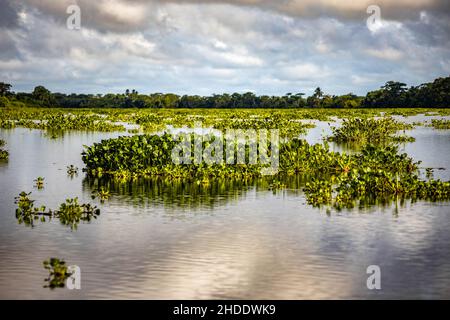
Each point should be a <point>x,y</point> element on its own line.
<point>392,95</point>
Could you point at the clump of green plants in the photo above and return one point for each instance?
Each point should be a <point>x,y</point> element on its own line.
<point>72,170</point>
<point>39,182</point>
<point>3,153</point>
<point>70,213</point>
<point>440,124</point>
<point>7,124</point>
<point>362,131</point>
<point>58,273</point>
<point>380,175</point>
<point>27,213</point>
<point>128,158</point>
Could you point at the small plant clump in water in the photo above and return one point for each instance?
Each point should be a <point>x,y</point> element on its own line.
<point>69,213</point>
<point>58,273</point>
<point>27,213</point>
<point>39,182</point>
<point>72,170</point>
<point>3,153</point>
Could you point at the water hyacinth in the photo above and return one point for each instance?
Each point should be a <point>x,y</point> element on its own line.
<point>3,153</point>
<point>363,131</point>
<point>58,273</point>
<point>340,179</point>
<point>440,124</point>
<point>70,213</point>
<point>39,182</point>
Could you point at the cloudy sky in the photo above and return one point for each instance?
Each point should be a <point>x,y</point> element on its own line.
<point>205,47</point>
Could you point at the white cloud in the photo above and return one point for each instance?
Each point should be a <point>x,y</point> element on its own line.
<point>305,71</point>
<point>386,53</point>
<point>196,48</point>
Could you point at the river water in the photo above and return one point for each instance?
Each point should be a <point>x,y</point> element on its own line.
<point>164,241</point>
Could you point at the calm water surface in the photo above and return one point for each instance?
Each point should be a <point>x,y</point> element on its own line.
<point>156,241</point>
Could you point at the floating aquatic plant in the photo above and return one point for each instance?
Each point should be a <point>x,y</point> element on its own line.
<point>72,170</point>
<point>440,124</point>
<point>39,182</point>
<point>364,131</point>
<point>3,153</point>
<point>58,273</point>
<point>70,213</point>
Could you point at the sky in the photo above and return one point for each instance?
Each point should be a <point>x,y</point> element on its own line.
<point>206,47</point>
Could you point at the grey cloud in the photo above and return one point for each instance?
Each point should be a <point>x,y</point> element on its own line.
<point>134,15</point>
<point>391,9</point>
<point>203,49</point>
<point>8,14</point>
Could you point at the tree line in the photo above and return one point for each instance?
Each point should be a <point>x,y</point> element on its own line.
<point>393,94</point>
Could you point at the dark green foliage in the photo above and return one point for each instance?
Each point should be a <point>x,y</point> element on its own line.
<point>375,174</point>
<point>391,95</point>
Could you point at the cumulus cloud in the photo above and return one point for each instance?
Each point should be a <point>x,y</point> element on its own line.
<point>204,47</point>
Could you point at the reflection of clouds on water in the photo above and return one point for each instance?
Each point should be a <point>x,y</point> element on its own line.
<point>238,243</point>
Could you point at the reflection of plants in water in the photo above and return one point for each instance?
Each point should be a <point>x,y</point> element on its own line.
<point>276,185</point>
<point>39,182</point>
<point>185,194</point>
<point>69,213</point>
<point>58,273</point>
<point>103,194</point>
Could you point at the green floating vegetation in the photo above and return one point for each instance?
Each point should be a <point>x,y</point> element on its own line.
<point>70,213</point>
<point>72,171</point>
<point>364,131</point>
<point>39,182</point>
<point>128,158</point>
<point>56,121</point>
<point>380,175</point>
<point>440,124</point>
<point>58,273</point>
<point>4,155</point>
<point>7,124</point>
<point>376,173</point>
